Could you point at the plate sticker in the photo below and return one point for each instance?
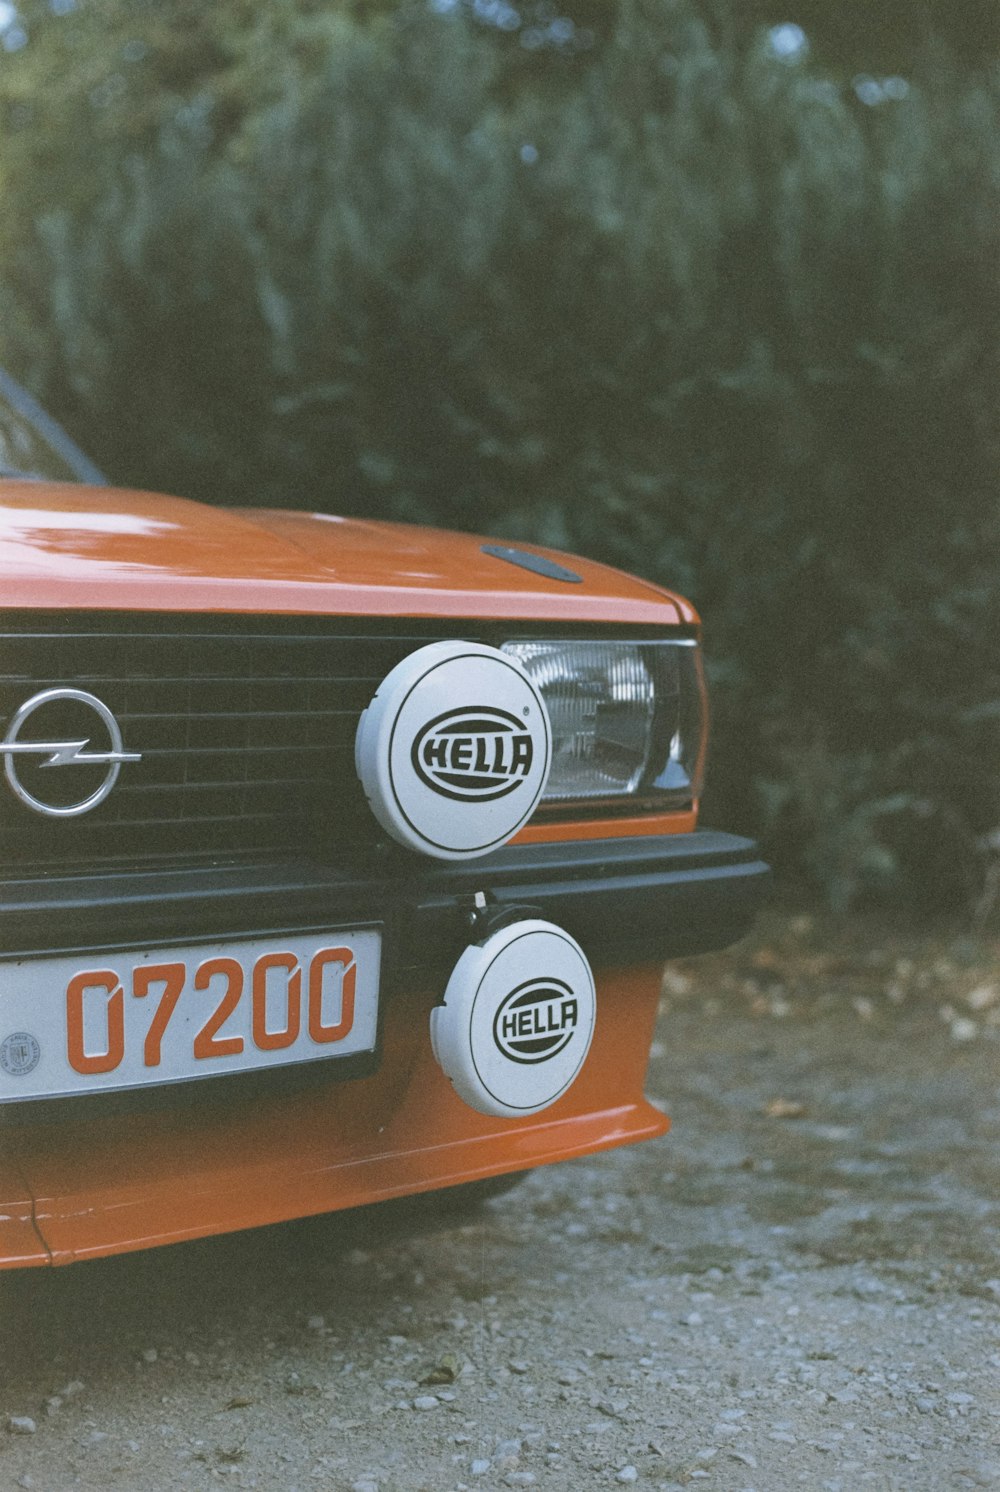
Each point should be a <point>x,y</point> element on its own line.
<point>132,1019</point>
<point>19,1053</point>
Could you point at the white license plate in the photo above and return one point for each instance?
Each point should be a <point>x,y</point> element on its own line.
<point>92,1023</point>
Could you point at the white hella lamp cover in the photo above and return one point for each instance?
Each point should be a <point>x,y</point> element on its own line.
<point>454,750</point>
<point>517,1019</point>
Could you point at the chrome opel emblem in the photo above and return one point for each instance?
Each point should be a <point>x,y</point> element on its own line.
<point>64,753</point>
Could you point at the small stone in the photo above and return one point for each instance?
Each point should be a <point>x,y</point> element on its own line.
<point>694,1318</point>
<point>316,1323</point>
<point>446,1371</point>
<point>426,1401</point>
<point>27,1480</point>
<point>150,1354</point>
<point>364,1484</point>
<point>520,1479</point>
<point>53,1404</point>
<point>784,1108</point>
<point>74,1387</point>
<point>480,1467</point>
<point>21,1424</point>
<point>985,1474</point>
<point>745,1459</point>
<point>962,1029</point>
<point>507,1449</point>
<point>519,1367</point>
<point>627,1474</point>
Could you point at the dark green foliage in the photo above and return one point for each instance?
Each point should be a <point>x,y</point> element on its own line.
<point>647,292</point>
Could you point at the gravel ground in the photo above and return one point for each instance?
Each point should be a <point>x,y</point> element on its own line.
<point>798,1287</point>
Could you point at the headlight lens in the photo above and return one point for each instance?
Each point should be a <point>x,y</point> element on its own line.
<point>627,719</point>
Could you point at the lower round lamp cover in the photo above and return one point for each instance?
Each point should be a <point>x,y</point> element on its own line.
<point>517,1019</point>
<point>454,751</point>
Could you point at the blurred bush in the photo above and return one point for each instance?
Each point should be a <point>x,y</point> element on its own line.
<point>651,281</point>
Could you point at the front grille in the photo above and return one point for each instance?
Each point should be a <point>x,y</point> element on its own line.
<point>245,726</point>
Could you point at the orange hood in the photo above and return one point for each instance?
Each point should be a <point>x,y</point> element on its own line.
<point>68,546</point>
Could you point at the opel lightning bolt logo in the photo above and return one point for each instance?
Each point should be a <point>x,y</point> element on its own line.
<point>66,753</point>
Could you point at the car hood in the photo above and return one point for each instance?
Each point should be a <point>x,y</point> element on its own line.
<point>75,546</point>
<point>63,545</point>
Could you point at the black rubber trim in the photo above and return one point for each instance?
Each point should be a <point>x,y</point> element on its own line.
<point>626,901</point>
<point>536,563</point>
<point>622,899</point>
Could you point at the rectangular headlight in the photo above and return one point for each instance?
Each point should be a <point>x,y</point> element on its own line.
<point>627,719</point>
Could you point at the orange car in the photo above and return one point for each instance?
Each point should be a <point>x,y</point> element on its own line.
<point>340,858</point>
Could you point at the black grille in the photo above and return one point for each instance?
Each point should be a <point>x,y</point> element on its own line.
<point>245,727</point>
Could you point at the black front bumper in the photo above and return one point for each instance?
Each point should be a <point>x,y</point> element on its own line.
<point>624,900</point>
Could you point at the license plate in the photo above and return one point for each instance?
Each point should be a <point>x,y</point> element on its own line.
<point>87,1023</point>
